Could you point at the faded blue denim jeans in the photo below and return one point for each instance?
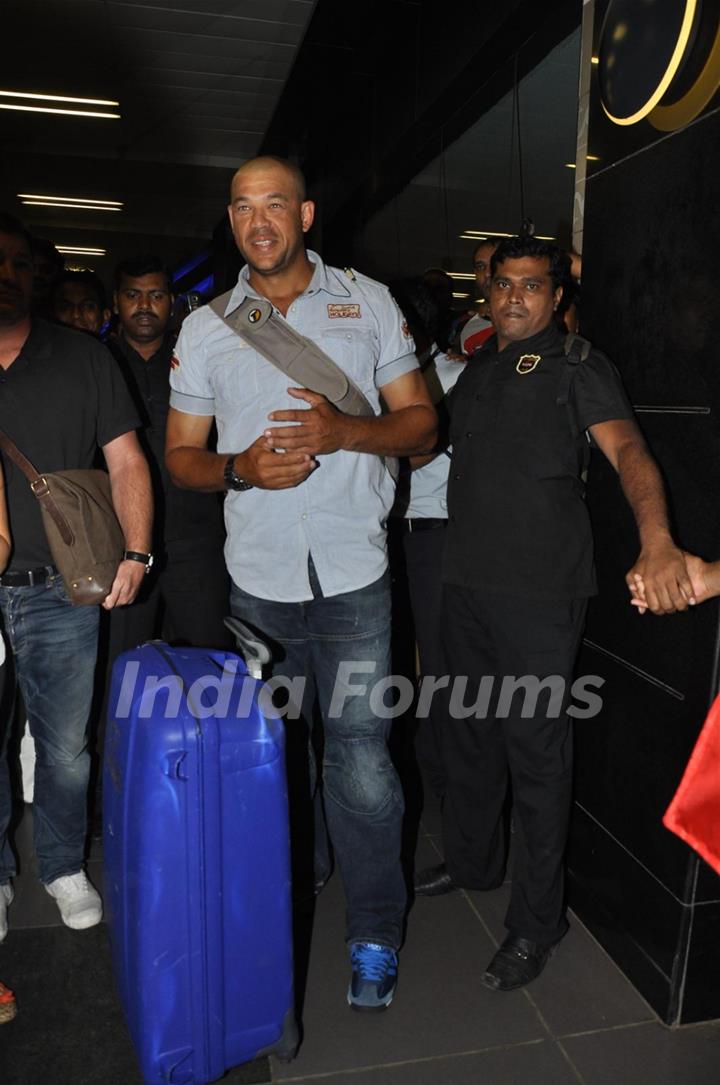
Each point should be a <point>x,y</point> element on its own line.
<point>321,641</point>
<point>52,647</point>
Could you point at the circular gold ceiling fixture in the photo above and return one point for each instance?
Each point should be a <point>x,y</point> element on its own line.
<point>667,118</point>
<point>642,45</point>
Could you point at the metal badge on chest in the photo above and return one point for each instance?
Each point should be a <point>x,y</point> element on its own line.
<point>527,362</point>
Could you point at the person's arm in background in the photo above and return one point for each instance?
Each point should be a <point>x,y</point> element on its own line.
<point>4,527</point>
<point>704,577</point>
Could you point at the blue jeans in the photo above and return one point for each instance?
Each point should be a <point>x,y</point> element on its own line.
<point>52,649</point>
<point>363,799</point>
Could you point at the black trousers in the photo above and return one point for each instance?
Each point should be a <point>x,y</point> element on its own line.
<point>524,737</point>
<point>423,560</point>
<point>184,602</point>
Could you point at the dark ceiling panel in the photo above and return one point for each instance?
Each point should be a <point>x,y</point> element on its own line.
<point>197,82</point>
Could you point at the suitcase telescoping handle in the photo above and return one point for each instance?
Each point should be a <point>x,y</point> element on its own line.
<point>253,649</point>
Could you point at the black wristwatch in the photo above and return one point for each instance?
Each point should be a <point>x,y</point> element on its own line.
<point>234,481</point>
<point>144,559</point>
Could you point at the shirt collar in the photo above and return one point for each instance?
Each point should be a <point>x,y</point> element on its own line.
<point>323,278</point>
<point>39,342</point>
<point>164,351</point>
<point>544,340</point>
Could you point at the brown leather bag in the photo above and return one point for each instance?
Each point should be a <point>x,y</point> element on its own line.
<point>83,532</point>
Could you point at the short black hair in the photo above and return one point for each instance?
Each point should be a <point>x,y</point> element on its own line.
<point>419,306</point>
<point>483,244</point>
<point>85,276</point>
<point>514,248</point>
<point>145,263</point>
<point>13,226</point>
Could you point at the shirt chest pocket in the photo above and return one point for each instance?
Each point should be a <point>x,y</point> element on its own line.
<point>234,373</point>
<point>354,350</point>
<point>525,407</point>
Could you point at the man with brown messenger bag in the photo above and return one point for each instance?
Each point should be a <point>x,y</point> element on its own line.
<point>61,398</point>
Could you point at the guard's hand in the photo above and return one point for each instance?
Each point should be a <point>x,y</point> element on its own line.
<point>317,429</point>
<point>270,470</point>
<point>126,584</point>
<point>659,581</point>
<point>703,577</point>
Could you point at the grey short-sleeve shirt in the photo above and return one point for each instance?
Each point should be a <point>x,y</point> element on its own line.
<point>338,514</point>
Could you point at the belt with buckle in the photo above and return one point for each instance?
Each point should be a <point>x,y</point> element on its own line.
<point>27,578</point>
<point>423,523</point>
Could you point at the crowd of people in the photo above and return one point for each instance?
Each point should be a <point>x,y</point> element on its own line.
<point>491,417</point>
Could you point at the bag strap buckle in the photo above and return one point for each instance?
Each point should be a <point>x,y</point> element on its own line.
<point>40,487</point>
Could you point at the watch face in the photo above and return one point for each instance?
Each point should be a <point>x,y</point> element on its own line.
<point>233,481</point>
<point>239,483</point>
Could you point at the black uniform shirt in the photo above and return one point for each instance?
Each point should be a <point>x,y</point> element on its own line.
<point>60,399</point>
<point>517,518</point>
<point>182,517</point>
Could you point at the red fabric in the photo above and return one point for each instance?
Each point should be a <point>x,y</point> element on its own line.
<point>476,340</point>
<point>694,813</point>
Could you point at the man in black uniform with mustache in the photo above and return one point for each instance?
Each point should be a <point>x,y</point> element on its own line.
<point>517,573</point>
<point>186,596</point>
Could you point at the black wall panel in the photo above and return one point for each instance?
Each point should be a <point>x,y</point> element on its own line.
<point>650,300</point>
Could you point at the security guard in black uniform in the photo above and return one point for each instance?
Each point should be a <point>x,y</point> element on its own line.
<point>517,573</point>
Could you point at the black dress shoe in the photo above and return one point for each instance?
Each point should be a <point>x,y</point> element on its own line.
<point>517,962</point>
<point>434,881</point>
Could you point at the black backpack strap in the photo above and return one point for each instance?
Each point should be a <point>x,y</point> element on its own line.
<point>576,351</point>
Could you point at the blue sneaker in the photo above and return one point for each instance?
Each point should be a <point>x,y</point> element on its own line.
<point>374,976</point>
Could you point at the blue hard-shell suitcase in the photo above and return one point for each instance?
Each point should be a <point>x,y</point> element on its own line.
<point>197,864</point>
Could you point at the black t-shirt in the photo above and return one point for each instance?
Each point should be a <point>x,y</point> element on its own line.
<point>183,518</point>
<point>517,518</point>
<point>60,400</point>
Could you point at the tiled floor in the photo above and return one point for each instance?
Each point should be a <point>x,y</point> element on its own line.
<point>580,1022</point>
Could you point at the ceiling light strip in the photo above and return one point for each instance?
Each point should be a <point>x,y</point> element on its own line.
<point>476,235</point>
<point>71,206</point>
<point>66,112</point>
<point>69,199</point>
<point>56,98</point>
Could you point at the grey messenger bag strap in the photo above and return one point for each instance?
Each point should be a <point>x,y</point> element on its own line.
<point>292,353</point>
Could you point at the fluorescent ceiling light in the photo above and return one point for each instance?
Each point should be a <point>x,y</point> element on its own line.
<point>460,275</point>
<point>594,60</point>
<point>26,96</point>
<point>69,199</point>
<point>79,250</point>
<point>72,206</point>
<point>481,234</point>
<point>589,157</point>
<point>461,295</point>
<point>491,235</point>
<point>56,98</point>
<point>66,112</point>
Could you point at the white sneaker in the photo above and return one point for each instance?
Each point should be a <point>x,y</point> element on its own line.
<point>6,896</point>
<point>79,903</point>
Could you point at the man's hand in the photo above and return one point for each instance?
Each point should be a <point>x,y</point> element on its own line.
<point>318,429</point>
<point>271,470</point>
<point>126,584</point>
<point>659,580</point>
<point>704,578</point>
